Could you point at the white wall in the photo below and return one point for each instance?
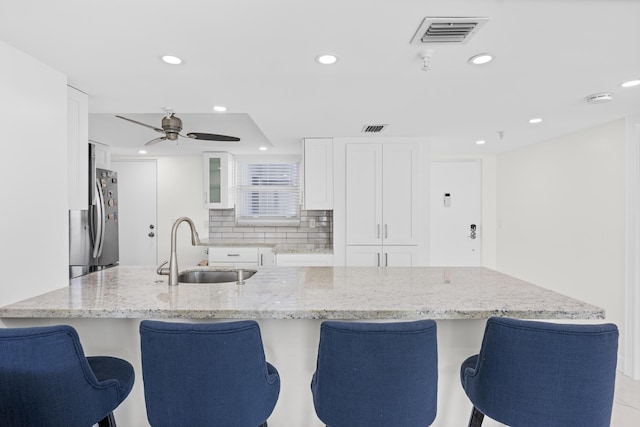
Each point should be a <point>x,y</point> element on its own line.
<point>561,211</point>
<point>34,254</point>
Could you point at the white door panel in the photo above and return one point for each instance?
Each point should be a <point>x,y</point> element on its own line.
<point>364,256</point>
<point>456,208</point>
<point>400,170</point>
<point>137,208</point>
<point>364,194</point>
<point>399,256</point>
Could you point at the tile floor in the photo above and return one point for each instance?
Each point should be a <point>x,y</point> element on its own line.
<point>626,404</point>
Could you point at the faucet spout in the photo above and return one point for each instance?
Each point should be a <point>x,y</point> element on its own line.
<point>173,260</point>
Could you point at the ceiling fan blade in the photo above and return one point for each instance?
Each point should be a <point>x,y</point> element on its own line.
<point>212,137</point>
<point>156,140</point>
<point>141,124</point>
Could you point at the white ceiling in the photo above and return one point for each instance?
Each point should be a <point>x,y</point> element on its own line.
<point>257,58</point>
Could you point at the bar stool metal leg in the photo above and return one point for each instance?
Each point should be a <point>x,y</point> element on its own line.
<point>476,418</point>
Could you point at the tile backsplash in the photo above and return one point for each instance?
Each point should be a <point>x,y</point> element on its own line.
<point>223,227</point>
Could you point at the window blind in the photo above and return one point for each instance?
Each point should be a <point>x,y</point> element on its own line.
<point>268,192</point>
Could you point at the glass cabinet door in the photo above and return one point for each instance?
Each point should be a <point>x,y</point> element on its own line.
<point>218,181</point>
<point>215,180</point>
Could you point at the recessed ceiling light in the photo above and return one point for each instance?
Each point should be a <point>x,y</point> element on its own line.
<point>262,148</point>
<point>173,60</point>
<point>631,83</point>
<point>535,120</point>
<point>327,59</point>
<point>142,151</point>
<point>480,142</point>
<point>219,108</point>
<point>480,59</point>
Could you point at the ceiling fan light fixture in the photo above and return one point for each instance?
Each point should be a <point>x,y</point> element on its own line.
<point>327,59</point>
<point>219,108</point>
<point>171,59</point>
<point>481,59</point>
<point>631,83</point>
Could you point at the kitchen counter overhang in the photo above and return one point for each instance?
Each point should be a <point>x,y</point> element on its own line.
<point>403,293</point>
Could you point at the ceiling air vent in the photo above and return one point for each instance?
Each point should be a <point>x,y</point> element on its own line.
<point>447,30</point>
<point>373,128</point>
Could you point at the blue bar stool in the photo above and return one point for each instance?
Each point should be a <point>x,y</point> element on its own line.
<point>46,380</point>
<point>203,374</point>
<point>542,374</point>
<point>376,374</point>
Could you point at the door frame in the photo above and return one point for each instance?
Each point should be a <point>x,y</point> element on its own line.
<point>631,358</point>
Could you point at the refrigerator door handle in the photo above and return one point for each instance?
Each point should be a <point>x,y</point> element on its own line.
<point>99,222</point>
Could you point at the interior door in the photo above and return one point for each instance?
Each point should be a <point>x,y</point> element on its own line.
<point>137,207</point>
<point>456,213</point>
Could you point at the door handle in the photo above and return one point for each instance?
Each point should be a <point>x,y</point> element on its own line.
<point>472,234</point>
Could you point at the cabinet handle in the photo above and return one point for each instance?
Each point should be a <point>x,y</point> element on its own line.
<point>261,259</point>
<point>378,254</point>
<point>233,254</point>
<point>386,259</point>
<point>386,231</point>
<point>378,235</point>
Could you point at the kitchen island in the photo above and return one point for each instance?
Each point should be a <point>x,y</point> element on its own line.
<point>289,304</point>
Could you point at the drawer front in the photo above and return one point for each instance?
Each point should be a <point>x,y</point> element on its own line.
<point>233,255</point>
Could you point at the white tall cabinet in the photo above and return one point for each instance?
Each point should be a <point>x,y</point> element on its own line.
<point>382,204</point>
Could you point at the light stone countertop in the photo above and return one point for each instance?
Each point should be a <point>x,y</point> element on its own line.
<point>307,293</point>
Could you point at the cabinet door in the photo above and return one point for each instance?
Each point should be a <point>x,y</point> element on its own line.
<point>318,173</point>
<point>304,260</point>
<point>399,256</point>
<point>400,192</point>
<point>78,148</point>
<point>363,194</point>
<point>266,257</point>
<point>363,256</point>
<point>218,181</point>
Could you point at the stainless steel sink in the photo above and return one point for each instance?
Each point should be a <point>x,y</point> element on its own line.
<point>215,276</point>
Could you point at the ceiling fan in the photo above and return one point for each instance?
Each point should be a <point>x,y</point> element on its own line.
<point>171,127</point>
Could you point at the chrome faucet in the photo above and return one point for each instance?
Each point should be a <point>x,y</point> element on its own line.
<point>172,271</point>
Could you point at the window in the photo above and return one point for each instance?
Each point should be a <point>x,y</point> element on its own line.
<point>268,192</point>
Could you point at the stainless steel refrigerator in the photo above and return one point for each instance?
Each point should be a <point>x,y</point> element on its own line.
<point>93,232</point>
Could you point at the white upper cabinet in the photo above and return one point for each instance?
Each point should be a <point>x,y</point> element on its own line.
<point>318,174</point>
<point>218,181</point>
<point>381,194</point>
<point>78,148</point>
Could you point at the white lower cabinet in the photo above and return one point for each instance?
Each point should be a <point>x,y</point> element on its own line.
<point>381,256</point>
<point>240,257</point>
<point>304,260</point>
<point>266,257</point>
